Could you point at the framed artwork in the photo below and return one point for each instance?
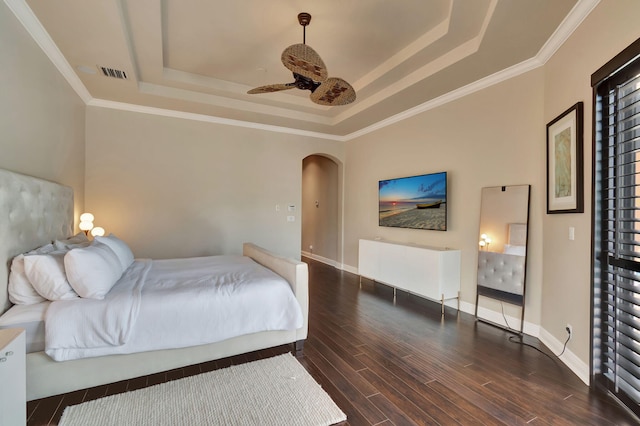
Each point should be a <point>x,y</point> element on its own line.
<point>565,162</point>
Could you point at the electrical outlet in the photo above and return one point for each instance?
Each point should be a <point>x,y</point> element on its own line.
<point>569,329</point>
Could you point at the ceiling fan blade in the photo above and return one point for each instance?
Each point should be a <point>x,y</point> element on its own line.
<point>334,91</point>
<point>302,59</point>
<point>270,88</point>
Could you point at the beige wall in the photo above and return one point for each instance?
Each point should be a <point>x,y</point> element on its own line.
<point>320,208</point>
<point>489,138</point>
<point>174,187</point>
<point>41,117</point>
<point>611,27</point>
<point>497,137</point>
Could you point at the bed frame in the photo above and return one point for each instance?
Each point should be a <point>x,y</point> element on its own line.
<point>33,212</point>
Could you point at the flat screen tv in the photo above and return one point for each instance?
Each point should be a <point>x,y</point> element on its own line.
<point>417,202</point>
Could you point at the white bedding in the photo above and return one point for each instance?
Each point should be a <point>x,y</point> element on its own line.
<point>31,318</point>
<point>174,303</point>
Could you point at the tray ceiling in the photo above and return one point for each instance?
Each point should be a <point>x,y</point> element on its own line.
<point>191,56</point>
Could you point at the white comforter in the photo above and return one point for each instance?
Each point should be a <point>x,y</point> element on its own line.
<point>162,304</point>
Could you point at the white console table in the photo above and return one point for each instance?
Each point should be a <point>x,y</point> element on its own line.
<point>430,272</point>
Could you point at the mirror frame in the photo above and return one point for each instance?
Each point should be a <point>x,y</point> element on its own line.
<point>513,298</point>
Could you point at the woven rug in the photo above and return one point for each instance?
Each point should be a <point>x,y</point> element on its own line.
<point>273,391</point>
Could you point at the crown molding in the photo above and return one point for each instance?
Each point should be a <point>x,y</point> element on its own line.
<point>236,104</point>
<point>122,106</point>
<point>481,84</point>
<point>33,26</point>
<point>25,15</point>
<point>571,22</point>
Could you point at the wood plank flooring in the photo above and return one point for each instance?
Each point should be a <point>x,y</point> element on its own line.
<point>402,363</point>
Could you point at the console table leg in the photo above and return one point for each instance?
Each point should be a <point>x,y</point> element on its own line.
<point>442,304</point>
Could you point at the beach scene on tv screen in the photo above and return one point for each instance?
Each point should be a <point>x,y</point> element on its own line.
<point>418,202</point>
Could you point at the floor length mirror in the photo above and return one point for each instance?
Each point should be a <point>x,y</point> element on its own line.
<point>502,246</point>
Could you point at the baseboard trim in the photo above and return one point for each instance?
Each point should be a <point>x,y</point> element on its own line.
<point>575,364</point>
<point>322,259</point>
<point>568,358</point>
<point>350,269</point>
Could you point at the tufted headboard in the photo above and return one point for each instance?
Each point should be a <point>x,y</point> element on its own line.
<point>33,212</point>
<point>500,271</point>
<point>518,234</point>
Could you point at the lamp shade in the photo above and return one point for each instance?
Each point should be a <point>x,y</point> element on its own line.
<point>86,217</point>
<point>98,231</point>
<point>85,225</point>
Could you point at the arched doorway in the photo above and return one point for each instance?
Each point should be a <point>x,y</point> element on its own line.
<point>320,209</point>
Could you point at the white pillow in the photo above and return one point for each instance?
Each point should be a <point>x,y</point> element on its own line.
<point>21,292</point>
<point>63,245</point>
<point>92,270</point>
<point>120,248</point>
<point>78,240</point>
<point>515,250</point>
<point>47,275</point>
<point>80,237</point>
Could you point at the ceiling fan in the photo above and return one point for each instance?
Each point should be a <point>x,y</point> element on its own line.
<point>310,73</point>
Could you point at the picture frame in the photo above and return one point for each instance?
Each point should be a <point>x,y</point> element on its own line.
<point>565,162</point>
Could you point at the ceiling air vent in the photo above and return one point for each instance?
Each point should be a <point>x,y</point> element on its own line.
<point>112,72</point>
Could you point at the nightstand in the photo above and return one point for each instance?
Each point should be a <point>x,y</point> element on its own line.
<point>13,392</point>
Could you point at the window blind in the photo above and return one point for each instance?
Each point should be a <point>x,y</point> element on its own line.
<point>616,309</point>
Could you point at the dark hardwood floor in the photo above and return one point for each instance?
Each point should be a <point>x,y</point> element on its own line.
<point>402,363</point>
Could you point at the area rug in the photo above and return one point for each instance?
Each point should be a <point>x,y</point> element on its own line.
<point>273,391</point>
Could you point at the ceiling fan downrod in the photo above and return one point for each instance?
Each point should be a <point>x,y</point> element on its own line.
<point>304,18</point>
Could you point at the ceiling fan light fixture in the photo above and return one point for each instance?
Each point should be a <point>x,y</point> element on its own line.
<point>334,91</point>
<point>271,88</point>
<point>302,59</point>
<point>310,73</point>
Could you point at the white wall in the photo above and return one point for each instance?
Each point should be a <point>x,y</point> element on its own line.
<point>174,187</point>
<point>41,117</point>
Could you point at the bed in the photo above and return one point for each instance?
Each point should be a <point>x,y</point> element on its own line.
<point>501,275</point>
<point>35,212</point>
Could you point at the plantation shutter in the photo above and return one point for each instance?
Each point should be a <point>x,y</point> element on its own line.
<point>616,318</point>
